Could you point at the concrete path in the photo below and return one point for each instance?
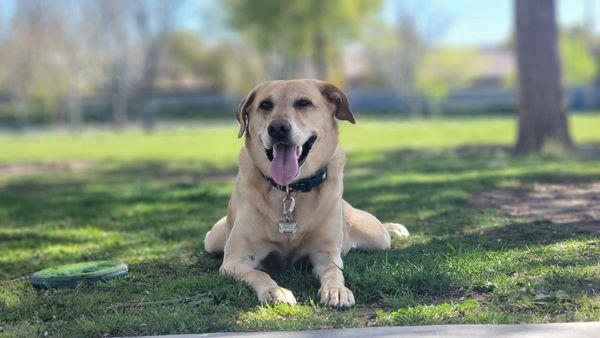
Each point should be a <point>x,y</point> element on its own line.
<point>554,330</point>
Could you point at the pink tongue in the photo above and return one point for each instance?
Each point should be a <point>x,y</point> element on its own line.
<point>284,166</point>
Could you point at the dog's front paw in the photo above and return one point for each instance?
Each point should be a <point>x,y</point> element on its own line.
<point>396,230</point>
<point>336,296</point>
<point>277,295</point>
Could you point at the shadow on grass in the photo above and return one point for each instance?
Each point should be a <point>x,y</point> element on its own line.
<point>156,214</point>
<point>93,194</point>
<point>184,172</point>
<point>106,213</point>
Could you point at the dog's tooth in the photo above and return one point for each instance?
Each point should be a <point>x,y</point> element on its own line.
<point>274,151</point>
<point>298,151</point>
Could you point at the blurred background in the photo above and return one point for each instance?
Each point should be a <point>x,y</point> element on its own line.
<point>70,64</point>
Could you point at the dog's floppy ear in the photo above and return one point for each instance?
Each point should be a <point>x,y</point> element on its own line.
<point>336,96</point>
<point>241,113</point>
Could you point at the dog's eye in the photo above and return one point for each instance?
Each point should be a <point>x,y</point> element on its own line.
<point>266,105</point>
<point>302,103</point>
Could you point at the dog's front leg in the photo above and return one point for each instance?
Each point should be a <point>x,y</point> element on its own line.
<point>241,263</point>
<point>328,266</point>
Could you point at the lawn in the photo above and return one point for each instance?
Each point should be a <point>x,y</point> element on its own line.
<point>148,200</point>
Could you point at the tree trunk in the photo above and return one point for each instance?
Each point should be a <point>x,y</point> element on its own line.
<point>320,59</point>
<point>542,103</point>
<point>118,100</point>
<point>119,110</point>
<point>407,61</point>
<point>75,111</point>
<point>145,85</point>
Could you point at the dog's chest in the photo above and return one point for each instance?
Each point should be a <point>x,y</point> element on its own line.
<point>308,210</point>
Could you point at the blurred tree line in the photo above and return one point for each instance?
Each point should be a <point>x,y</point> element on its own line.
<point>58,53</point>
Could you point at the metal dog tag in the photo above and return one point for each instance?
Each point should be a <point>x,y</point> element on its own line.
<point>288,225</point>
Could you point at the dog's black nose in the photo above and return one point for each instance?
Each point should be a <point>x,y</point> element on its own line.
<point>279,129</point>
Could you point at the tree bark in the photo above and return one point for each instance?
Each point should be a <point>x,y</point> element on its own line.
<point>542,103</point>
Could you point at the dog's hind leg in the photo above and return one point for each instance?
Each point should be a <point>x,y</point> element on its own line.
<point>215,239</point>
<point>366,231</point>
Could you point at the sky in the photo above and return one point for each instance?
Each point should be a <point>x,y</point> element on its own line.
<point>467,22</point>
<point>489,22</point>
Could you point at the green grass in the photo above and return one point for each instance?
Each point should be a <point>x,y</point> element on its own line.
<point>148,200</point>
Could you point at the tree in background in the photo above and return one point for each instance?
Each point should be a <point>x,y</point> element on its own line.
<point>542,106</point>
<point>444,69</point>
<point>579,65</point>
<point>397,51</point>
<point>417,27</point>
<point>131,37</point>
<point>55,53</point>
<point>153,21</point>
<point>36,72</point>
<point>112,35</point>
<point>289,32</point>
<point>190,57</point>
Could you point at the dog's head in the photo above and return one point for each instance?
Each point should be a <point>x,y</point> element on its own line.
<point>290,126</point>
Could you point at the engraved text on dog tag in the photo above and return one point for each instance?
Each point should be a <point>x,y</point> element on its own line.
<point>288,226</point>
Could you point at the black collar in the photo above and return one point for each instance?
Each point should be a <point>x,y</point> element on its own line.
<point>303,185</point>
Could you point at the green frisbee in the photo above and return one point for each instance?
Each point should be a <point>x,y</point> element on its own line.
<point>66,276</point>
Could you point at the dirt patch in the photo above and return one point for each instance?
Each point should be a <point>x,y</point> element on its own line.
<point>573,204</point>
<point>23,169</point>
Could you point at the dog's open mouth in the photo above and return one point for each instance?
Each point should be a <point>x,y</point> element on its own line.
<point>286,159</point>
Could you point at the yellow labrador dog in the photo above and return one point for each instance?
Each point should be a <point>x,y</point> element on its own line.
<point>287,198</point>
